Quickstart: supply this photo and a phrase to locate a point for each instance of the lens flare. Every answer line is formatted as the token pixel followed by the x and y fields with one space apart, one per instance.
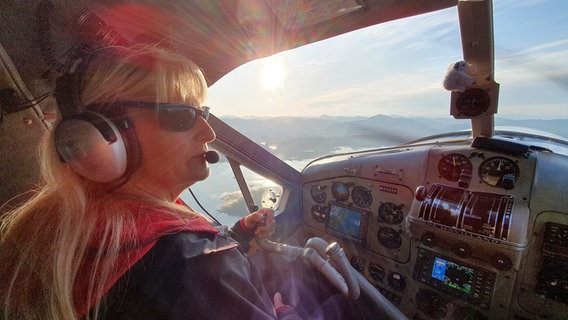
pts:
pixel 273 74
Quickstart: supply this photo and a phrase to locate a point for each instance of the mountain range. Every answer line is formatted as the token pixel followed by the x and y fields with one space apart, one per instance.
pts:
pixel 299 138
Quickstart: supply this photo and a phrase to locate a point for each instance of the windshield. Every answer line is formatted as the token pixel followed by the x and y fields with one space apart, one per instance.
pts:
pixel 382 85
pixel 372 80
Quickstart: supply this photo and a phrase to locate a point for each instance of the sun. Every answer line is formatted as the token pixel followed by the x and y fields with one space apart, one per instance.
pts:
pixel 273 73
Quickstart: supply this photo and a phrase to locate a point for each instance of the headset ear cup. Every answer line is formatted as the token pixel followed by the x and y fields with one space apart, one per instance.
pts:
pixel 67 94
pixel 93 146
pixel 132 147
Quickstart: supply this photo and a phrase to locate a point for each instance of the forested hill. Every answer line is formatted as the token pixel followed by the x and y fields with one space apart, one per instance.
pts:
pixel 307 138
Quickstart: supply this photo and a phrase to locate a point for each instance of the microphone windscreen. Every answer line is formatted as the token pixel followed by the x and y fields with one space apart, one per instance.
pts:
pixel 212 156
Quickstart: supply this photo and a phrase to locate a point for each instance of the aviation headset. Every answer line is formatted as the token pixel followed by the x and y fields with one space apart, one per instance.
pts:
pixel 98 144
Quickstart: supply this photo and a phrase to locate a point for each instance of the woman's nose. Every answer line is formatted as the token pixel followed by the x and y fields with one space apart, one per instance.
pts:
pixel 205 130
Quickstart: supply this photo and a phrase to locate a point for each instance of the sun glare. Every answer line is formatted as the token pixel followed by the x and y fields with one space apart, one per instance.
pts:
pixel 273 73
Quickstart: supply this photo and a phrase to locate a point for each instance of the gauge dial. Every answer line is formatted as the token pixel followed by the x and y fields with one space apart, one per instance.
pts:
pixel 390 213
pixel 389 238
pixel 340 191
pixel 499 172
pixel 362 197
pixel 473 102
pixel 318 193
pixel 452 165
pixel 358 263
pixel 319 213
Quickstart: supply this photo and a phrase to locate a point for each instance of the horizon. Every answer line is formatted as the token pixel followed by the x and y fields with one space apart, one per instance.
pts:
pixel 375 128
pixel 449 117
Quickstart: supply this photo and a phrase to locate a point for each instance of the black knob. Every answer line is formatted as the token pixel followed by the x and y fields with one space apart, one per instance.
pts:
pixel 501 262
pixel 462 249
pixel 420 193
pixel 397 281
pixel 508 181
pixel 429 239
pixel 465 178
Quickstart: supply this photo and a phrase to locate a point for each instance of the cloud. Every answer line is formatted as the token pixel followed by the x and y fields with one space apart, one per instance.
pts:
pixel 524 110
pixel 233 203
pixel 396 94
pixel 412 33
pixel 506 5
pixel 398 67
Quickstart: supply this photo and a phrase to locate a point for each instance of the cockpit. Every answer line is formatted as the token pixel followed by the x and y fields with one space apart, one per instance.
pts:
pixel 443 209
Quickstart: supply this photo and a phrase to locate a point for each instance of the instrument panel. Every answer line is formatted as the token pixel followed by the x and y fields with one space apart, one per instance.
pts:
pixel 368 218
pixel 368 213
pixel 437 226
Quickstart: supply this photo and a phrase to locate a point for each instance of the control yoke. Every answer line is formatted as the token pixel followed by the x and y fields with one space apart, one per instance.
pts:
pixel 331 261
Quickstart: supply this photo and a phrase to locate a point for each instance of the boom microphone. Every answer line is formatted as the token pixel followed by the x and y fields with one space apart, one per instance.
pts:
pixel 211 156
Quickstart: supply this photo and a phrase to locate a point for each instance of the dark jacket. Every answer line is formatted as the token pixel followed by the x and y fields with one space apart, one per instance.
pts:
pixel 193 276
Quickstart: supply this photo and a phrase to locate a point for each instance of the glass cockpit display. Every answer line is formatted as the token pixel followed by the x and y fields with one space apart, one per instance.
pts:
pixel 347 222
pixel 453 275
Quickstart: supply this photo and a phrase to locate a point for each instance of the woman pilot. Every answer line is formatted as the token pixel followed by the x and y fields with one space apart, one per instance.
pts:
pixel 105 236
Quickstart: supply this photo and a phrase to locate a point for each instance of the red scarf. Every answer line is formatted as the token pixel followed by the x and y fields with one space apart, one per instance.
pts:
pixel 151 223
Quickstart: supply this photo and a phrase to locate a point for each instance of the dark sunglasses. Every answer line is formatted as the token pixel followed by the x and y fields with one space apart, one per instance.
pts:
pixel 176 117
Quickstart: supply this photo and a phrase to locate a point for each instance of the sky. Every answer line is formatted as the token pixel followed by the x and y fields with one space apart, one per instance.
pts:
pixel 397 69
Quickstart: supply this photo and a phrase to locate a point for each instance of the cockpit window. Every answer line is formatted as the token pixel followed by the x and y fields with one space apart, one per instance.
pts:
pixel 382 85
pixel 220 195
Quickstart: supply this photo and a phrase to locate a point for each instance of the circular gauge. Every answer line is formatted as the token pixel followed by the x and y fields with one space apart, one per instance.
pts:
pixel 499 172
pixel 318 193
pixel 362 197
pixel 319 213
pixel 340 191
pixel 358 263
pixel 389 238
pixel 473 102
pixel 452 165
pixel 390 213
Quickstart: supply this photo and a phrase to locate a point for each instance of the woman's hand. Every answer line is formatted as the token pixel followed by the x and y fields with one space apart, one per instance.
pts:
pixel 278 300
pixel 262 222
pixel 284 311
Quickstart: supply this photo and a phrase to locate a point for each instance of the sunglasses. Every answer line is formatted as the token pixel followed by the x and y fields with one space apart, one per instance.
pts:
pixel 176 117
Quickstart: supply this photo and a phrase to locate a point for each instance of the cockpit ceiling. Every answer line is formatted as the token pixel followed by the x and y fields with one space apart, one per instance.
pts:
pixel 294 15
pixel 219 35
pixel 37 38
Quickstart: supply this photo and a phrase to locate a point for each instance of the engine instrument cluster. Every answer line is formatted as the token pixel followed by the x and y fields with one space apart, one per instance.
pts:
pixel 498 171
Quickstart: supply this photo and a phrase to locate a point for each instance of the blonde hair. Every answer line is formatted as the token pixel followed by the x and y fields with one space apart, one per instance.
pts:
pixel 44 241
